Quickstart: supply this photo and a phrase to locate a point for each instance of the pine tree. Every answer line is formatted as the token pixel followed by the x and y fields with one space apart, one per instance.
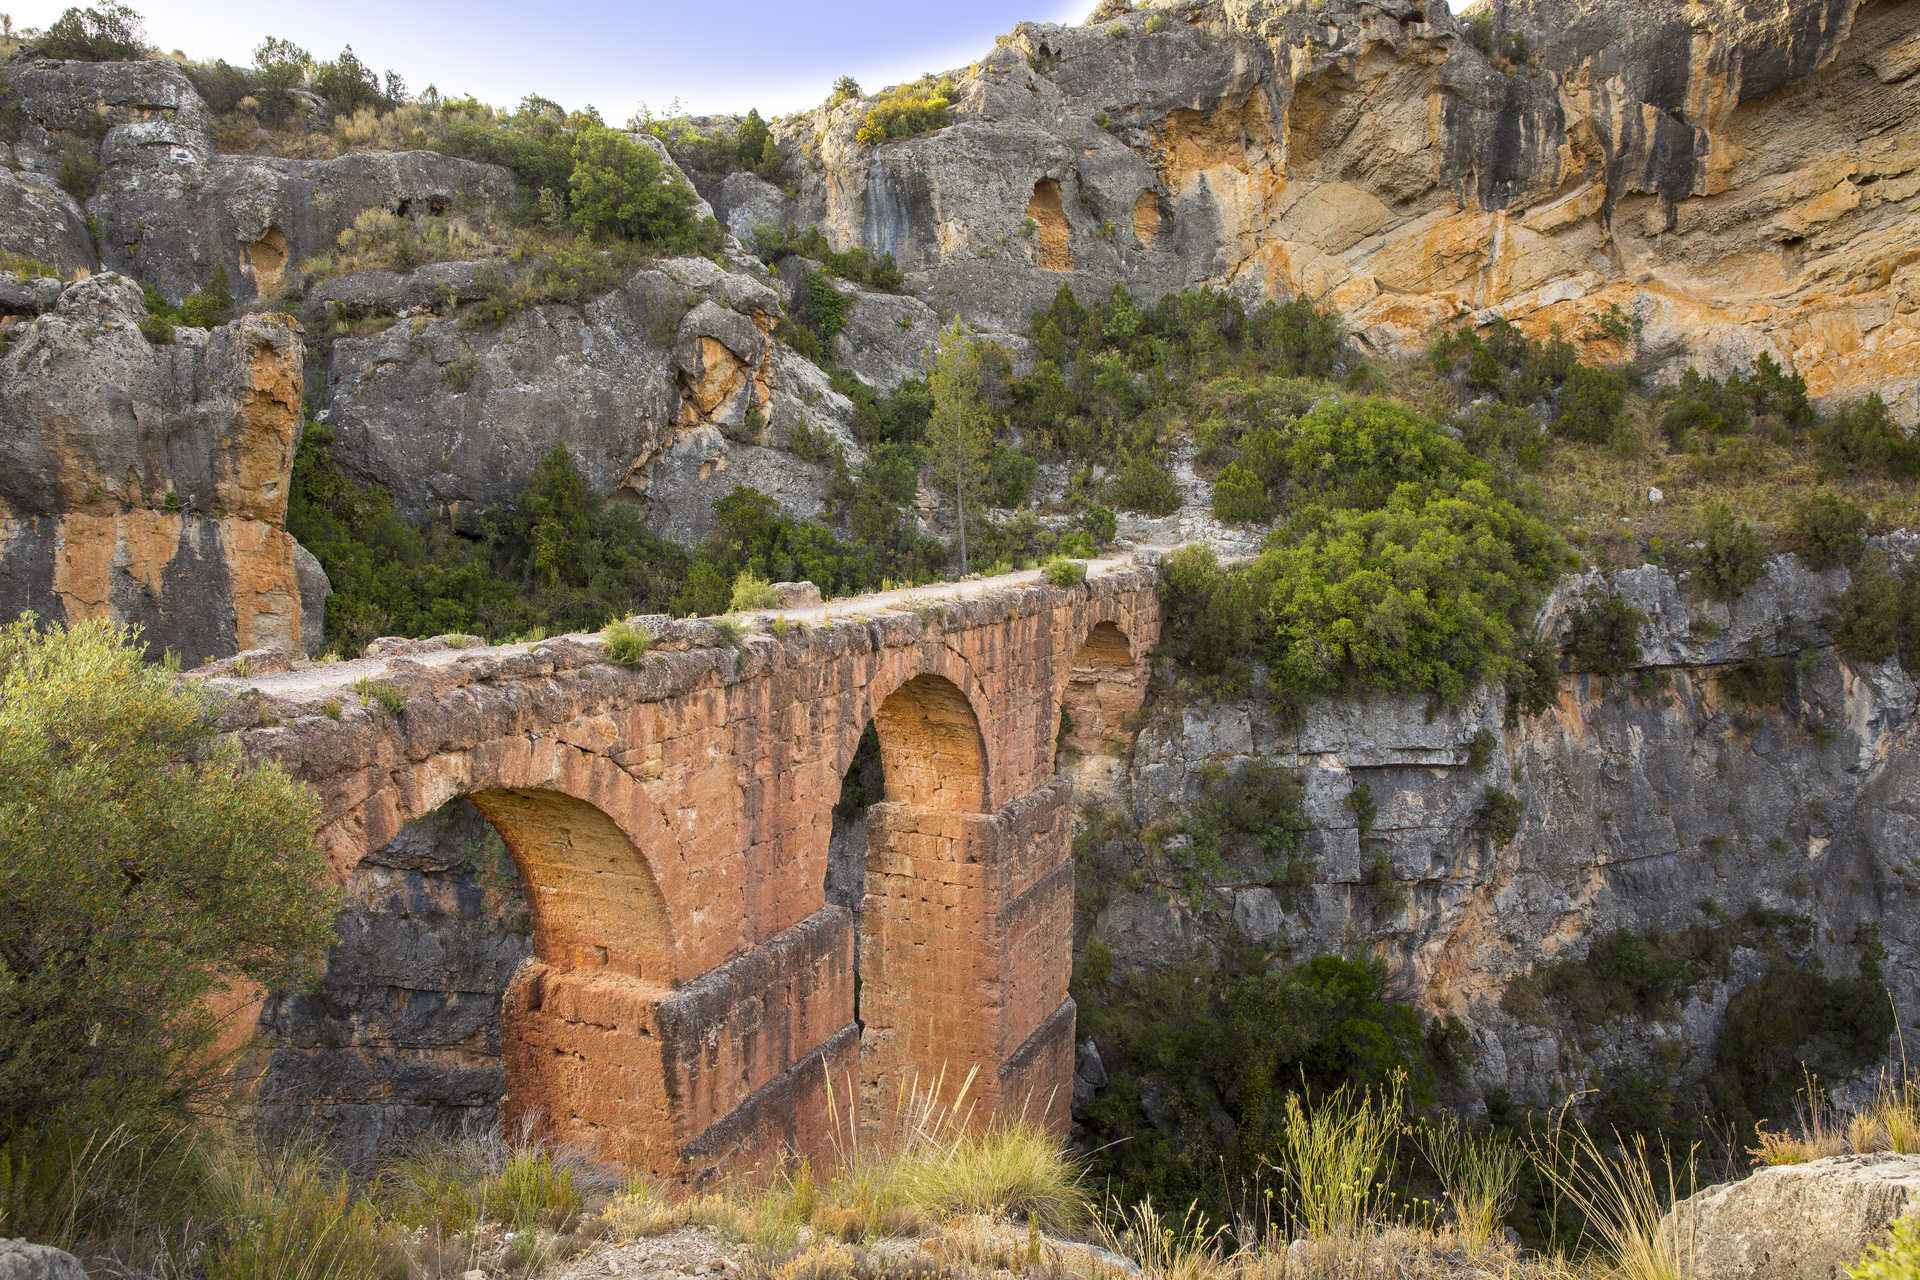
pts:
pixel 958 432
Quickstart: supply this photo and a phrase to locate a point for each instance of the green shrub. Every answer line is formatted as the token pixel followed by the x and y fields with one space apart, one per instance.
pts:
pixel 556 558
pixel 105 32
pixel 350 85
pixel 1140 483
pixel 1062 572
pixel 1210 613
pixel 627 644
pixel 1480 749
pixel 751 592
pixel 1758 681
pixel 381 693
pixel 79 173
pixel 1590 404
pixel 619 188
pixel 210 305
pixel 1239 497
pixel 1238 1040
pixel 1899 1259
pixel 1603 636
pixel 1099 524
pixel 139 879
pixel 1826 531
pixel 1010 476
pixel 1430 593
pixel 922 106
pixel 772 242
pixel 1730 557
pixel 1861 438
pixel 1500 814
pixel 1702 405
pixel 1878 616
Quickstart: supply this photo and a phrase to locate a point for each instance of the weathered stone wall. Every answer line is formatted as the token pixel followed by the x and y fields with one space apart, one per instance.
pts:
pixel 671 824
pixel 149 483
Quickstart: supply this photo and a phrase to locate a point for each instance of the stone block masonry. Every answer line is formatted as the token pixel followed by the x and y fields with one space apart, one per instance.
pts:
pixel 692 997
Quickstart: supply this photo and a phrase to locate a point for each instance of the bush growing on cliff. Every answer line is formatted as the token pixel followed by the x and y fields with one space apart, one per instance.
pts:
pixel 771 242
pixel 618 187
pixel 1431 593
pixel 105 32
pixel 1861 438
pixel 1730 556
pixel 557 557
pixel 142 869
pixel 1603 634
pixel 1878 616
pixel 921 106
pixel 1826 531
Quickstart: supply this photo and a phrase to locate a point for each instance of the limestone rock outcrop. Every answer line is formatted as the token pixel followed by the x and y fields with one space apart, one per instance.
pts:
pixel 671 387
pixel 1795 1222
pixel 1652 801
pixel 1734 181
pixel 169 209
pixel 148 483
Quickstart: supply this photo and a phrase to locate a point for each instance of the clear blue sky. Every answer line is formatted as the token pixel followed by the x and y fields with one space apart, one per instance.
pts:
pixel 720 56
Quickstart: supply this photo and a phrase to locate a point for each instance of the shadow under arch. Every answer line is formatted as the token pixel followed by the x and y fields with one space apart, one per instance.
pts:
pixel 1105 684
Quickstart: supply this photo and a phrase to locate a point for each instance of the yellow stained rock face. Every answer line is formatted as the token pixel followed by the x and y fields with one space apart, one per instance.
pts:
pixel 1044 207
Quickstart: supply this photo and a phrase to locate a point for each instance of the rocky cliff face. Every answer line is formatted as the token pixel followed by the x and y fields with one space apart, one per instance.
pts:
pixel 1657 801
pixel 148 482
pixel 1735 180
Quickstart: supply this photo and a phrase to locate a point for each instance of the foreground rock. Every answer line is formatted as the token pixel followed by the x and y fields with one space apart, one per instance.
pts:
pixel 1795 1222
pixel 20 1260
pixel 148 483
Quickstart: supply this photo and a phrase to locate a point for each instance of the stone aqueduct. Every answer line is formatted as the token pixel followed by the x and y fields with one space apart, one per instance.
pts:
pixel 693 995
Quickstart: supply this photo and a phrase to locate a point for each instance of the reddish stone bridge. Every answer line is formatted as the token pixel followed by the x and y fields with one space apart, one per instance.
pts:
pixel 693 994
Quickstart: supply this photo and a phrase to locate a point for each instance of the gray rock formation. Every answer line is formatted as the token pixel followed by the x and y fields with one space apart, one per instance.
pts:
pixel 669 387
pixel 1678 165
pixel 1655 801
pixel 1794 1222
pixel 169 210
pixel 149 482
pixel 403 1035
pixel 20 1260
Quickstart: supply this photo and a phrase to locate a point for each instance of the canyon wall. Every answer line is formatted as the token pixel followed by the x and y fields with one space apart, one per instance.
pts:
pixel 1664 800
pixel 1733 180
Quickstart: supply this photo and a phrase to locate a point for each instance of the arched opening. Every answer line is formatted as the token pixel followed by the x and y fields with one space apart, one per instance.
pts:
pixel 930 747
pixel 457 995
pixel 594 901
pixel 1104 688
pixel 924 986
pixel 863 785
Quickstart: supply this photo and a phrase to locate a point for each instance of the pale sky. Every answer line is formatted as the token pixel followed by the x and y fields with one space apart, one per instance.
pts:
pixel 717 57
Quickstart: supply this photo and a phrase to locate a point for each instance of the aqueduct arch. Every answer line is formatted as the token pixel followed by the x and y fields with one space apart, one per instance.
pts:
pixel 690 999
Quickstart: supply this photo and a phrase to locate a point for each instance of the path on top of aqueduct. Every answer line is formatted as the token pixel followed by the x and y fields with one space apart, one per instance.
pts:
pixel 693 996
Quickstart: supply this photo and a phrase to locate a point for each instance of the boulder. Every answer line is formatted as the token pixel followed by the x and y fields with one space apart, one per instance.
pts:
pixel 20 1260
pixel 1795 1222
